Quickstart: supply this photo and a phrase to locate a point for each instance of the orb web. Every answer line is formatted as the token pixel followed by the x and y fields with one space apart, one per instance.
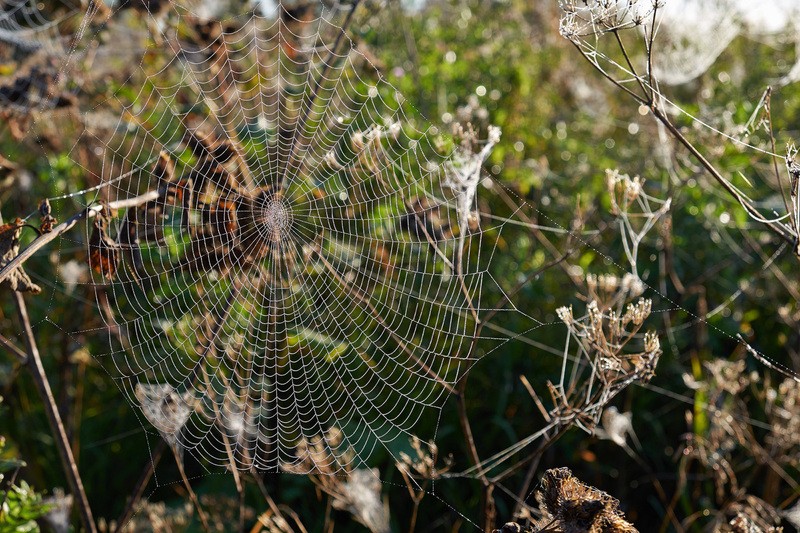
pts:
pixel 300 255
pixel 27 26
pixel 693 34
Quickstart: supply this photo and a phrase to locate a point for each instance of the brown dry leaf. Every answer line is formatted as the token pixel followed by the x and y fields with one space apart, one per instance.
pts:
pixel 164 169
pixel 48 220
pixel 103 250
pixel 18 280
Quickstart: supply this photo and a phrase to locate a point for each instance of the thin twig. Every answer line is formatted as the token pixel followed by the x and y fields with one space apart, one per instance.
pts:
pixel 192 495
pixel 141 484
pixel 36 368
pixel 705 163
pixel 13 349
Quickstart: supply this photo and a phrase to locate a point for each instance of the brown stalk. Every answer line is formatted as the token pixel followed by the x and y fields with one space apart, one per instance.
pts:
pixel 34 364
pixel 141 484
pixel 14 350
pixel 192 495
pixel 647 99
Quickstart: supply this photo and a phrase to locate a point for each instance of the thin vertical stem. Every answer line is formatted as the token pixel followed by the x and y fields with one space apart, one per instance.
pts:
pixel 36 368
pixel 192 495
pixel 141 484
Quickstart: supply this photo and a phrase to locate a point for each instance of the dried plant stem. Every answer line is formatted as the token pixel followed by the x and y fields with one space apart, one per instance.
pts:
pixel 14 350
pixel 237 479
pixel 466 429
pixel 192 496
pixel 62 228
pixel 34 364
pixel 141 484
pixel 648 98
pixel 705 163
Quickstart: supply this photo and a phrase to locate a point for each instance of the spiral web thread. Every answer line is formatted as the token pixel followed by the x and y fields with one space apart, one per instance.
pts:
pixel 26 27
pixel 310 269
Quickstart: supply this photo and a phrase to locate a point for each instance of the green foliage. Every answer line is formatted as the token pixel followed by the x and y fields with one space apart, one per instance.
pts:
pixel 20 504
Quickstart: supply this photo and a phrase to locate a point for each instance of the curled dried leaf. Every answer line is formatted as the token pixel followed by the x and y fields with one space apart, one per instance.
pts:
pixel 104 251
pixel 17 280
pixel 48 220
pixel 573 506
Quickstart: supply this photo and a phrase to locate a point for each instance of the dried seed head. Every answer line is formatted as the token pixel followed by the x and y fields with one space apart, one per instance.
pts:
pixel 361 497
pixel 565 315
pixel 572 506
pixel 637 313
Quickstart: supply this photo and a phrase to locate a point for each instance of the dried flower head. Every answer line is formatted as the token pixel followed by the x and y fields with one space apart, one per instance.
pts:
pixel 463 174
pixel 361 496
pixel 570 506
pixel 166 409
pixel 582 18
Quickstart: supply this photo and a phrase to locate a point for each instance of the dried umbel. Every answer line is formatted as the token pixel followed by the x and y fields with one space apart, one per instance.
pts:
pixel 623 190
pixel 582 18
pixel 637 213
pixel 727 442
pixel 608 289
pixel 357 491
pixel 603 363
pixel 783 406
pixel 570 506
pixel 730 376
pixel 748 514
pixel 153 516
pixel 603 334
pixel 724 432
pixel 424 464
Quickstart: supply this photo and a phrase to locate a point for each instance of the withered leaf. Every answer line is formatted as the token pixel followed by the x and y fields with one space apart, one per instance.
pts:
pixel 128 240
pixel 164 169
pixel 18 280
pixel 48 220
pixel 103 250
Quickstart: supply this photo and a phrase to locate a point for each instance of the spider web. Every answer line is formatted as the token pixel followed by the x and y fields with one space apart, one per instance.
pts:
pixel 308 258
pixel 27 27
pixel 685 27
pixel 305 256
